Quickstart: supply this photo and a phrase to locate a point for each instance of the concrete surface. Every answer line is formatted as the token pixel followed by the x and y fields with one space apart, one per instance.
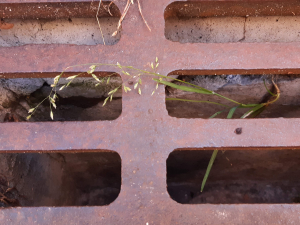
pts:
pixel 78 31
pixel 233 29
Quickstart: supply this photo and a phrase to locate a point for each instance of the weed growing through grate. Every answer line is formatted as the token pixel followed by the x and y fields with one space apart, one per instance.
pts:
pixel 135 74
pixel 255 109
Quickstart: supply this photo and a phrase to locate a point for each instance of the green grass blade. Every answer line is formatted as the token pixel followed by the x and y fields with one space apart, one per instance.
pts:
pixel 252 110
pixel 257 112
pixel 248 105
pixel 217 113
pixel 197 87
pixel 268 89
pixel 184 88
pixel 211 162
pixel 231 112
pixel 188 100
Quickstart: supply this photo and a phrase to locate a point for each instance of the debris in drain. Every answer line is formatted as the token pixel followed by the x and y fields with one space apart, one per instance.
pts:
pixel 5 26
pixel 8 195
pixel 10 117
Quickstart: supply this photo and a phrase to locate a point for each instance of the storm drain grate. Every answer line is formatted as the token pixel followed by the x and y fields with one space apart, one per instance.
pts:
pixel 144 134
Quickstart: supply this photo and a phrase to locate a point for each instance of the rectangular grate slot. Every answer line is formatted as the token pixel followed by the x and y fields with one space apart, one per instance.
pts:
pixel 237 176
pixel 59 179
pixel 245 89
pixel 80 101
pixel 75 24
pixel 223 22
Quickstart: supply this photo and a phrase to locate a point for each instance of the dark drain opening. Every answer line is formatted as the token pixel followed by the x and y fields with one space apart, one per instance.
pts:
pixel 237 176
pixel 246 89
pixel 80 101
pixel 59 179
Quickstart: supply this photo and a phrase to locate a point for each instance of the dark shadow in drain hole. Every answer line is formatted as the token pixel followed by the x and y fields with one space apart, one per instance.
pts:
pixel 59 179
pixel 237 176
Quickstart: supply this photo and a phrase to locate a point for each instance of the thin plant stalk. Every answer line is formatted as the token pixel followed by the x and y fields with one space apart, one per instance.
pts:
pixel 210 164
pixel 100 1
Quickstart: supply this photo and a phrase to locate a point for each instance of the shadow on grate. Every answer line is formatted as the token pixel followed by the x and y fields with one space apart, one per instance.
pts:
pixel 223 22
pixel 237 176
pixel 59 179
pixel 80 101
pixel 246 89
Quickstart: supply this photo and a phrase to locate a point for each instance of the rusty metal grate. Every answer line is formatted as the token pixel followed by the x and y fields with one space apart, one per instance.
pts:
pixel 144 135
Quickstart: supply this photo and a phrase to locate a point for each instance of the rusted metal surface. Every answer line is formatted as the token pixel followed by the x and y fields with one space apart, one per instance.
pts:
pixel 144 135
pixel 232 9
pixel 57 10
